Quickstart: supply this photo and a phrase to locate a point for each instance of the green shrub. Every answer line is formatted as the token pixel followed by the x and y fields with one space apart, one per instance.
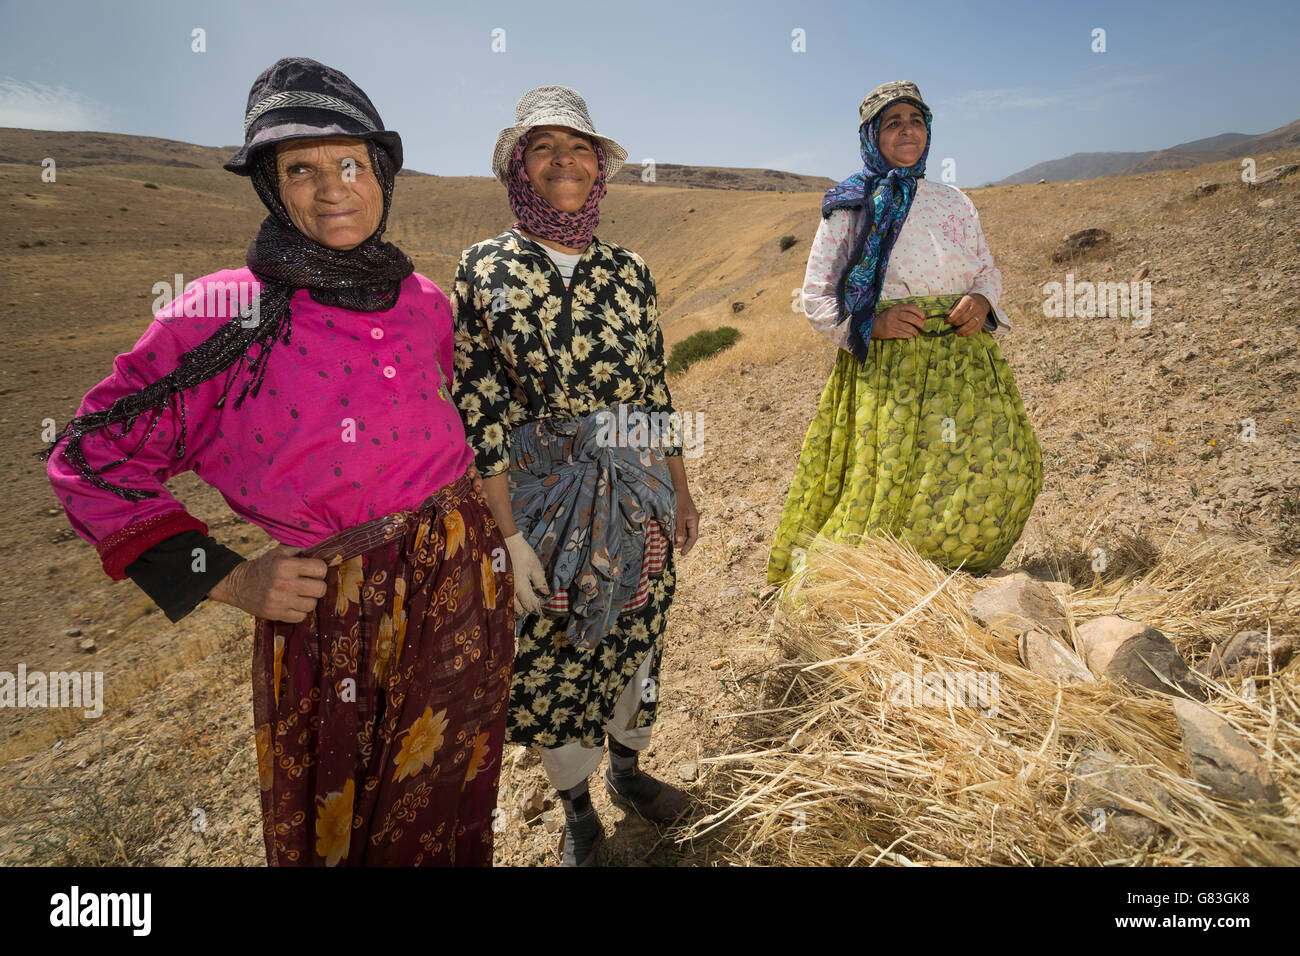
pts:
pixel 787 242
pixel 150 186
pixel 700 346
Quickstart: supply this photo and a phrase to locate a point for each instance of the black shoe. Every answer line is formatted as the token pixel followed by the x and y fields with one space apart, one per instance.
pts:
pixel 665 806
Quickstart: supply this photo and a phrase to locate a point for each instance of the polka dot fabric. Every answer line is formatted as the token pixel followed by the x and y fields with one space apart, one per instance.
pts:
pixel 354 420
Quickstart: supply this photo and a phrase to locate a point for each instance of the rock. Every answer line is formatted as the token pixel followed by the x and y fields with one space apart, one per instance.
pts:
pixel 720 663
pixel 1204 189
pixel 1178 357
pixel 1078 242
pixel 1049 658
pixel 1103 782
pixel 1133 829
pixel 737 307
pixel 1248 654
pixel 1143 270
pixel 1059 588
pixel 1020 605
pixel 1040 182
pixel 1144 590
pixel 1268 203
pixel 73 632
pixel 1124 650
pixel 688 771
pixel 87 644
pixel 1274 174
pixel 1222 759
pixel 553 820
pixel 533 803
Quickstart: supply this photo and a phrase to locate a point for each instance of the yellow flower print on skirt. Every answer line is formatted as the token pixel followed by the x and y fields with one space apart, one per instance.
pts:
pixel 455 527
pixel 334 824
pixel 351 574
pixel 927 440
pixel 419 743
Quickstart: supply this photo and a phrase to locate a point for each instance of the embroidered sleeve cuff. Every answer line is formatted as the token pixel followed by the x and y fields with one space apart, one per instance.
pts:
pixel 122 547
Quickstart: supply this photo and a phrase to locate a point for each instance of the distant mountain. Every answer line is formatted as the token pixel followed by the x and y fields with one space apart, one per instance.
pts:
pixel 718 177
pixel 1076 166
pixel 71 148
pixel 1210 150
pixel 84 148
pixel 30 146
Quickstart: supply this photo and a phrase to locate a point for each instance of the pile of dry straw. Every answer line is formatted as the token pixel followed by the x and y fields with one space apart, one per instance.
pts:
pixel 850 761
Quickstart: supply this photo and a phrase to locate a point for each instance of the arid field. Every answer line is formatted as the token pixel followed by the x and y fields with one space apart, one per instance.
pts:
pixel 1147 455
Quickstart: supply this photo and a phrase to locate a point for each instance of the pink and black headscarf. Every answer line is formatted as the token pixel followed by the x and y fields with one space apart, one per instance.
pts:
pixel 532 212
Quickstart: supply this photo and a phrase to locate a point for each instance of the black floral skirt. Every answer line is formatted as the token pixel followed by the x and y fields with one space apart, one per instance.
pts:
pixel 562 695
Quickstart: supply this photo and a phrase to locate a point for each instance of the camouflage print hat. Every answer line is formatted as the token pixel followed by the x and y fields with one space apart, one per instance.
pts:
pixel 887 93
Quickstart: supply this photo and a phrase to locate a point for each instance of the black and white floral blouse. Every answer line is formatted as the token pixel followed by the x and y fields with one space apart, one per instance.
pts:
pixel 527 348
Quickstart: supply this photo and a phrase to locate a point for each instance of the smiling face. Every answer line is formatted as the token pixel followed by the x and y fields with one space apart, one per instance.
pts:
pixel 902 134
pixel 330 190
pixel 561 164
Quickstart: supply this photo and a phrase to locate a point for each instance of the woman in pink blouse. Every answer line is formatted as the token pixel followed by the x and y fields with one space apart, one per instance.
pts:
pixel 920 431
pixel 312 389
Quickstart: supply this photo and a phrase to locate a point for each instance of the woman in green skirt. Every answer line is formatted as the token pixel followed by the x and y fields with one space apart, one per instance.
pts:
pixel 920 432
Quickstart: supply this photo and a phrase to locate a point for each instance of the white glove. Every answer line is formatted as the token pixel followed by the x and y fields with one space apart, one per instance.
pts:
pixel 530 578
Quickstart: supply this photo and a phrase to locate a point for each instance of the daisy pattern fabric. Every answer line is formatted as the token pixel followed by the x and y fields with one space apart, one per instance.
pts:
pixel 528 349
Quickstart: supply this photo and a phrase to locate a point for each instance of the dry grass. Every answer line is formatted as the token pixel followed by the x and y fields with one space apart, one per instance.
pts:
pixel 838 771
pixel 92 821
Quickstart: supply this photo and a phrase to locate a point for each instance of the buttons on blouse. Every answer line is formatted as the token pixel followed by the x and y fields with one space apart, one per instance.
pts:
pixel 390 372
pixel 376 333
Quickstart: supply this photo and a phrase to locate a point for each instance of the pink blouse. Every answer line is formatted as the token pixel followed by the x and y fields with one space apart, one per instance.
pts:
pixel 354 420
pixel 940 250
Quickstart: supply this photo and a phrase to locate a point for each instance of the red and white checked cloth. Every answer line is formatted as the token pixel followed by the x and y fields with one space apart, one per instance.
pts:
pixel 656 550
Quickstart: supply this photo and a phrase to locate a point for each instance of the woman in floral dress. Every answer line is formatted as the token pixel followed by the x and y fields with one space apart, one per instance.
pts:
pixel 560 382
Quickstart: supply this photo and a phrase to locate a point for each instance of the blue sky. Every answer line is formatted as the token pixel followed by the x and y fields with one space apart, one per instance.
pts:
pixel 708 83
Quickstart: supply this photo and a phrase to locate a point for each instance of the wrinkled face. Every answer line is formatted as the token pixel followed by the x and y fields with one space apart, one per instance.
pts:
pixel 902 134
pixel 330 190
pixel 562 166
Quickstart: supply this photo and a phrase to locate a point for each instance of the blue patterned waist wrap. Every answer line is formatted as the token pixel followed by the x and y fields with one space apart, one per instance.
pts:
pixel 582 490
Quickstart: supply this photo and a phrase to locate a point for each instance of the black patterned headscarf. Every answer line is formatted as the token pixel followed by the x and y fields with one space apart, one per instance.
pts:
pixel 366 278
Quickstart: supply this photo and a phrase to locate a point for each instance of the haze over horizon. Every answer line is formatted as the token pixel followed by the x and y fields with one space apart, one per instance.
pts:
pixel 720 86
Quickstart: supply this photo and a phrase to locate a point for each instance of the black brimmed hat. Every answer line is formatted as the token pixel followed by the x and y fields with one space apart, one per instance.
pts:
pixel 298 98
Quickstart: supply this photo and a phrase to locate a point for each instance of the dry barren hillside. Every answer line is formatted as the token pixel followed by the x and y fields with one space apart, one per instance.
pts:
pixel 1141 430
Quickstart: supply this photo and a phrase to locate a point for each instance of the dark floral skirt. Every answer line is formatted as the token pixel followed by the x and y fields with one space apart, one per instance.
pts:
pixel 380 718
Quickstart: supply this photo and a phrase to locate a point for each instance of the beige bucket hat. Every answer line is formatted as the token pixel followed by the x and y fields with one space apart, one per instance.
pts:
pixel 553 106
pixel 886 93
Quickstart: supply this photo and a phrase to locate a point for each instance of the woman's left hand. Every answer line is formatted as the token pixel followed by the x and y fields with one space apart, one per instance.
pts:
pixel 475 479
pixel 688 522
pixel 969 314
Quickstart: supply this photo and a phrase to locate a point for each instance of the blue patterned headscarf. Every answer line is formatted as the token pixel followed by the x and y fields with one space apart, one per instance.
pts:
pixel 885 192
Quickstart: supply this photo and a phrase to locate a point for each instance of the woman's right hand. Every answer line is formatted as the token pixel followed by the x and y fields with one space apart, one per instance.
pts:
pixel 278 586
pixel 530 577
pixel 901 321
